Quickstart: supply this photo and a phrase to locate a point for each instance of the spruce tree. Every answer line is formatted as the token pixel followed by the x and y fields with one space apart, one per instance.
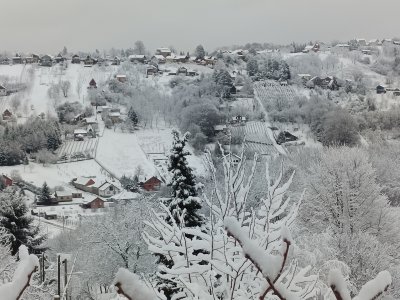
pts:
pixel 133 116
pixel 183 197
pixel 183 183
pixel 45 197
pixel 18 224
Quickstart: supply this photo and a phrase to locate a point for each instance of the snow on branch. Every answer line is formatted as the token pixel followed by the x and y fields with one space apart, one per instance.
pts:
pixel 370 291
pixel 28 264
pixel 130 286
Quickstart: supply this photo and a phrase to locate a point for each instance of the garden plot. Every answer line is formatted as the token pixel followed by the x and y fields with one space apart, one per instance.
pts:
pixel 273 93
pixel 85 149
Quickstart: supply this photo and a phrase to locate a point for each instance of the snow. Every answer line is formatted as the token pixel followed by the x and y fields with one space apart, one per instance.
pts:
pixel 374 287
pixel 132 286
pixel 121 154
pixel 27 265
pixel 337 281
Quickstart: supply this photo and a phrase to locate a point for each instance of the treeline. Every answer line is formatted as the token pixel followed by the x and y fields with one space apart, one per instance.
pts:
pixel 268 68
pixel 36 134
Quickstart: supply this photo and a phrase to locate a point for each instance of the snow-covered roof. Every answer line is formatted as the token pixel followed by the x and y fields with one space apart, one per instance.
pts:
pixel 63 193
pixel 2 87
pixel 343 45
pixel 114 114
pixel 219 127
pixel 121 76
pixel 163 49
pixel 83 180
pixel 159 57
pixel 90 120
pixel 136 56
pixel 105 186
pixel 80 131
pixel 90 199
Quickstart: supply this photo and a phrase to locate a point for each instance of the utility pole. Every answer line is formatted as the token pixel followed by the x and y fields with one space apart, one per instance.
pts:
pixel 58 276
pixel 65 277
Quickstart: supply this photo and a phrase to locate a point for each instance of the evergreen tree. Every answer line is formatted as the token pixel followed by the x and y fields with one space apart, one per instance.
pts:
pixel 18 224
pixel 183 183
pixel 45 197
pixel 133 116
pixel 252 66
pixel 183 197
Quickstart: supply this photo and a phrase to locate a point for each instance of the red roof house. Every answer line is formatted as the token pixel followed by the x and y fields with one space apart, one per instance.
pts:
pixel 7 181
pixel 152 184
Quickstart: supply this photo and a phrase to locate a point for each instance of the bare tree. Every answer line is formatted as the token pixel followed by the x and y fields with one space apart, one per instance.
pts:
pixel 65 87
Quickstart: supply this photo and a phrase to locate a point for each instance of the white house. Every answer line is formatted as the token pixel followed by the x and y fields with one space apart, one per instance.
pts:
pixel 107 189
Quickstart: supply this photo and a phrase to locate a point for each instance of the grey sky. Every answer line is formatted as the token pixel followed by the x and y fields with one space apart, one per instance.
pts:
pixel 48 25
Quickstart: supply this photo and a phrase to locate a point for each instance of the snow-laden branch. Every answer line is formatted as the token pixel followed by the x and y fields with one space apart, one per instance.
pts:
pixel 28 263
pixel 130 286
pixel 370 291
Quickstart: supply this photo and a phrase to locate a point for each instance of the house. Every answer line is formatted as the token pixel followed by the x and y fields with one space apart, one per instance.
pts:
pixel 220 128
pixel 343 46
pixel 304 77
pixel 3 91
pixel 7 181
pixel 4 61
pixel 182 70
pixel 181 58
pixel 92 84
pixel 93 203
pixel 17 59
pixel 106 189
pixel 76 59
pixel 151 184
pixel 125 196
pixel 50 215
pixel 33 59
pixel 238 120
pixel 79 134
pixel 121 78
pixel 164 52
pixel 285 136
pixel 115 116
pixel 137 58
pixel 361 42
pixel 380 89
pixel 62 196
pixel 151 70
pixel 83 183
pixel 374 42
pixel 46 61
pixel 158 59
pixel 89 61
pixel 59 58
pixel 76 194
pixel 210 60
pixel 192 73
pixel 7 115
pixel 366 51
pixel 116 61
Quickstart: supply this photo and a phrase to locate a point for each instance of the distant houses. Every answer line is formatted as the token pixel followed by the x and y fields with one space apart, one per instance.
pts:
pixel 76 59
pixel 90 185
pixel 7 115
pixel 93 203
pixel 137 58
pixel 151 184
pixel 163 52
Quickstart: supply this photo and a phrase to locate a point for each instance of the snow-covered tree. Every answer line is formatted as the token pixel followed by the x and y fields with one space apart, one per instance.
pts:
pixel 183 183
pixel 199 52
pixel 133 117
pixel 45 196
pixel 17 224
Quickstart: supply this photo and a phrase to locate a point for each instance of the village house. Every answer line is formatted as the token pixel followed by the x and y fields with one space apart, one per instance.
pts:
pixel 79 134
pixel 6 181
pixel 3 91
pixel 17 59
pixel 7 115
pixel 76 194
pixel 62 196
pixel 181 58
pixel 121 78
pixel 89 61
pixel 115 116
pixel 164 52
pixel 151 70
pixel 59 58
pixel 76 59
pixel 192 73
pixel 158 59
pixel 93 203
pixel 182 70
pixel 46 61
pixel 116 61
pixel 220 128
pixel 380 89
pixel 137 58
pixel 92 84
pixel 106 189
pixel 152 184
pixel 83 183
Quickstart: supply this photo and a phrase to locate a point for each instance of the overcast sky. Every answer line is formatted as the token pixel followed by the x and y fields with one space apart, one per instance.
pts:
pixel 45 26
